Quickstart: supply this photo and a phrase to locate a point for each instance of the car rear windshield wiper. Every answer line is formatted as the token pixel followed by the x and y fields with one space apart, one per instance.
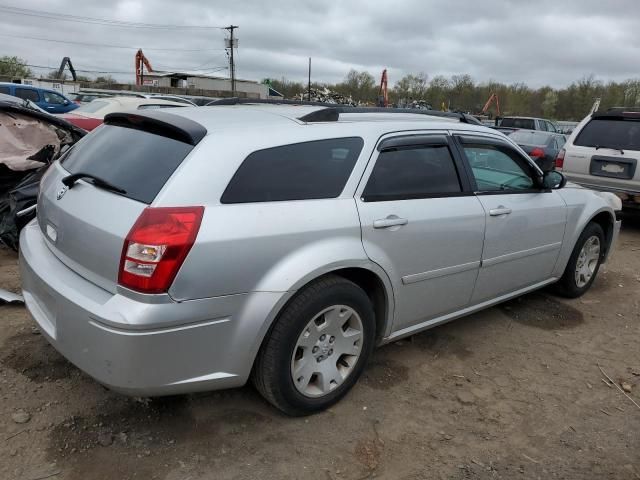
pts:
pixel 70 181
pixel 611 148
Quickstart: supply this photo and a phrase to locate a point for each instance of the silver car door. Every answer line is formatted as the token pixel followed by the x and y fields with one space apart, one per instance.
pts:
pixel 421 222
pixel 525 223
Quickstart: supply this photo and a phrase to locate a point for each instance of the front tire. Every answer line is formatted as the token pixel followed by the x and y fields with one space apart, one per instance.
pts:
pixel 317 348
pixel 584 262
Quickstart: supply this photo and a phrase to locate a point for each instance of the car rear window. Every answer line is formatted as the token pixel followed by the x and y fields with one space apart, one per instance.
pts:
pixel 526 123
pixel 615 133
pixel 136 161
pixel 301 171
pixel 533 138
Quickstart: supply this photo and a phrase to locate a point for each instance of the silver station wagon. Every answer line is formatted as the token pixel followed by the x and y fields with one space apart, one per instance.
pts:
pixel 197 248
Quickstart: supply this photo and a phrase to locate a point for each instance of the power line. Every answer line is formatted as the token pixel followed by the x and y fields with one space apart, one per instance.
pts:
pixel 84 44
pixel 85 70
pixel 97 21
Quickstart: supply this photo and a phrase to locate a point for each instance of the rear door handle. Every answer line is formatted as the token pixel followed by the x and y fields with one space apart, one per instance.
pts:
pixel 501 210
pixel 390 221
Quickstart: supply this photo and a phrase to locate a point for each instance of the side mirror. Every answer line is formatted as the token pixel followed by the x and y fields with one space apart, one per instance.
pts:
pixel 554 180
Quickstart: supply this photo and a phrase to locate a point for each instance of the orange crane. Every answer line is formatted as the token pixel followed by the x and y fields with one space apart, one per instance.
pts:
pixel 141 62
pixel 383 96
pixel 492 98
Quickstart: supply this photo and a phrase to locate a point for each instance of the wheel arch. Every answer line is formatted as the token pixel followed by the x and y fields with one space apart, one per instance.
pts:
pixel 606 220
pixel 368 276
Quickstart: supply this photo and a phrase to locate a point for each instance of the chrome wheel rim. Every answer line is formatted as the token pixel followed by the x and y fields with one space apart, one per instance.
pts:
pixel 327 351
pixel 587 261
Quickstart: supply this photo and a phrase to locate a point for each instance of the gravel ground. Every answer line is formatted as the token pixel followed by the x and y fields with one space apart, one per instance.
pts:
pixel 512 392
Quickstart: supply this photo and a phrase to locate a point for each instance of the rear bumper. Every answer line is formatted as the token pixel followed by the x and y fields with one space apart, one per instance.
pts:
pixel 138 348
pixel 591 182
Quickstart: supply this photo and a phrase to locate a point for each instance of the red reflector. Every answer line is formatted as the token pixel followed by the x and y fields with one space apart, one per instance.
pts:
pixel 537 153
pixel 560 159
pixel 156 247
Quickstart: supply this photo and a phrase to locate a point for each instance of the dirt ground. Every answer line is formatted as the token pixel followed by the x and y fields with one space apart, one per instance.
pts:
pixel 511 392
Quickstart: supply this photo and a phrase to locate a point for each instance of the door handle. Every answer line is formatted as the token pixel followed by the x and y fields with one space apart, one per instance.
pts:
pixel 501 210
pixel 390 221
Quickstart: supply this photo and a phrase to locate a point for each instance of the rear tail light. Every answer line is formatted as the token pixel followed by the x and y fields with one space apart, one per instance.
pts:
pixel 537 153
pixel 156 247
pixel 560 159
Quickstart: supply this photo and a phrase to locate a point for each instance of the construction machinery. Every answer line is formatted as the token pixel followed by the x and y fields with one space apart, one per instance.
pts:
pixel 141 62
pixel 383 95
pixel 493 98
pixel 66 62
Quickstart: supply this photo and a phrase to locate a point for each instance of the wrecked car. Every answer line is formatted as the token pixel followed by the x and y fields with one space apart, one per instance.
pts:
pixel 30 140
pixel 196 249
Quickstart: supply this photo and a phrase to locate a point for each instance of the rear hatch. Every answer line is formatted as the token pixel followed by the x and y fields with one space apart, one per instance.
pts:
pixel 122 166
pixel 606 152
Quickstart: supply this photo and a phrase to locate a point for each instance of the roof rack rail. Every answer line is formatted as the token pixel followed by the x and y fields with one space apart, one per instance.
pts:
pixel 271 101
pixel 622 109
pixel 332 111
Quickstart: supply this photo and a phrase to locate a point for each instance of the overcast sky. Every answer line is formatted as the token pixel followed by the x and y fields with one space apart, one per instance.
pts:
pixel 547 42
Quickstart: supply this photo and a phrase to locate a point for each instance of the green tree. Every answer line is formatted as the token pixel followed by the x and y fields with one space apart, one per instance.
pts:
pixel 439 91
pixel 360 85
pixel 14 67
pixel 105 79
pixel 53 75
pixel 549 104
pixel 412 87
pixel 286 87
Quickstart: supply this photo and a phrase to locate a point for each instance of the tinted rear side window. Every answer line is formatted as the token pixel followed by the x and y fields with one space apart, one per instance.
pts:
pixel 4 90
pixel 413 173
pixel 300 171
pixel 27 94
pixel 136 161
pixel 624 134
pixel 526 123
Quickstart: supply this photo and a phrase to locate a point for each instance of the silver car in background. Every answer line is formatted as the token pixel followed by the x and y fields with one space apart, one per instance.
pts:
pixel 193 249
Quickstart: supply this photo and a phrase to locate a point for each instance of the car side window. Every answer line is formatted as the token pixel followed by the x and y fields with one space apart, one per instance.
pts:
pixel 4 90
pixel 413 172
pixel 28 94
pixel 543 125
pixel 53 98
pixel 300 171
pixel 551 127
pixel 496 168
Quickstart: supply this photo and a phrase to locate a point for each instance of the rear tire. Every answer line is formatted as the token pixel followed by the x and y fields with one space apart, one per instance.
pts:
pixel 584 262
pixel 324 338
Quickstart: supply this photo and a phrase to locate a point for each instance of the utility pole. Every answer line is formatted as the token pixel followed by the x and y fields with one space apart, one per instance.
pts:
pixel 232 66
pixel 309 82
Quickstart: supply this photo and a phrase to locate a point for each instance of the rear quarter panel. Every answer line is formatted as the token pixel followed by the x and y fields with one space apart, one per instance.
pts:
pixel 262 246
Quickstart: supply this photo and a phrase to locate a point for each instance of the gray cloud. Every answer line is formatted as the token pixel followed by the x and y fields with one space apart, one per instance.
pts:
pixel 540 43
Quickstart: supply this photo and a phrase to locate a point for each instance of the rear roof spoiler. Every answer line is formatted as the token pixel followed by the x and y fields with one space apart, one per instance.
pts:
pixel 160 123
pixel 618 112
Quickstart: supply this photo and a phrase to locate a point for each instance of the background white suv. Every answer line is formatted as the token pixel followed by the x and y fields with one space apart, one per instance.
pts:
pixel 603 154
